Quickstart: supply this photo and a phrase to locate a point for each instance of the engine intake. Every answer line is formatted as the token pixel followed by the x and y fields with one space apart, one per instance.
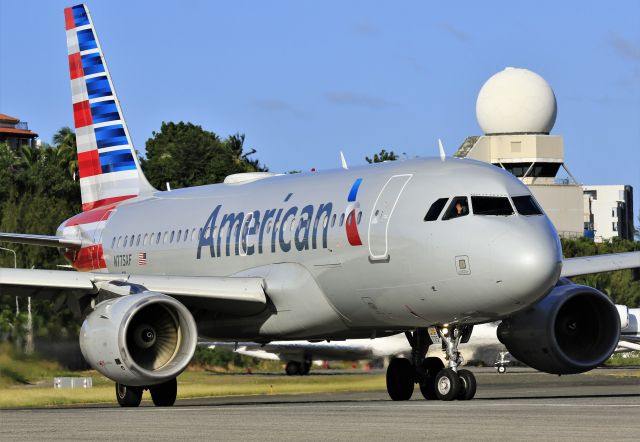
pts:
pixel 572 330
pixel 139 340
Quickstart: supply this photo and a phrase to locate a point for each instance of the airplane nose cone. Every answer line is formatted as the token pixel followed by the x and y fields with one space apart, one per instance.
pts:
pixel 528 259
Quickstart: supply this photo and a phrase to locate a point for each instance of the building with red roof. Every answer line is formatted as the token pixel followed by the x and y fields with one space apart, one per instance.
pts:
pixel 16 133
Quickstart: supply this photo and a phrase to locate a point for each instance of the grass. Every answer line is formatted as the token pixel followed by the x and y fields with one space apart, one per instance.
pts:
pixel 624 359
pixel 192 385
pixel 27 381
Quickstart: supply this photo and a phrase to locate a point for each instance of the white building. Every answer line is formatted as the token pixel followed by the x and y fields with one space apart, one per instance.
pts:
pixel 516 109
pixel 608 212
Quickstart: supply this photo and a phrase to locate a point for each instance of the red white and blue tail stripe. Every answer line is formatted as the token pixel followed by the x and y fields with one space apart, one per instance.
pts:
pixel 108 166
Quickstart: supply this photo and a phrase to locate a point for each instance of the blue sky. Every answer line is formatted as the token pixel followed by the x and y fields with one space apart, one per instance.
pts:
pixel 305 79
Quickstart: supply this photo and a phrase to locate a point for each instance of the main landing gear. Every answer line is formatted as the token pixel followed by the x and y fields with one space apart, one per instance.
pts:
pixel 163 395
pixel 298 368
pixel 435 381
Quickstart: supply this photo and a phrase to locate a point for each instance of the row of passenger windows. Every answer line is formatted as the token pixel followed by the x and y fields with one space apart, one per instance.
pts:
pixel 482 205
pixel 170 237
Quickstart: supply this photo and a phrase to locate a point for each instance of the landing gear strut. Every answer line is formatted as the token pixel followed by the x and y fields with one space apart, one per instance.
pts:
pixel 435 381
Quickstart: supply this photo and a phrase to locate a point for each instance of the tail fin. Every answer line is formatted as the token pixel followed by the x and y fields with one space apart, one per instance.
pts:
pixel 108 165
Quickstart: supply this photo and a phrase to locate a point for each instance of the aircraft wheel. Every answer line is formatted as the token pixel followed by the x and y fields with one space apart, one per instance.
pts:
pixel 431 367
pixel 468 385
pixel 400 375
pixel 305 368
pixel 164 395
pixel 502 369
pixel 293 368
pixel 128 396
pixel 447 384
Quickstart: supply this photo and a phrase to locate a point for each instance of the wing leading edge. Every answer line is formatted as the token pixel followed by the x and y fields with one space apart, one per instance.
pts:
pixel 600 263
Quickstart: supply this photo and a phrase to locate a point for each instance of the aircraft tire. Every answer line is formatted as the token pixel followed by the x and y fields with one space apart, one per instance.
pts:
pixel 293 368
pixel 128 396
pixel 164 395
pixel 502 369
pixel 400 375
pixel 447 384
pixel 305 368
pixel 468 385
pixel 431 367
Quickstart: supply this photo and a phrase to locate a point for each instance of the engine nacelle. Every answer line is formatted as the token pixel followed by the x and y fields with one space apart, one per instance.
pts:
pixel 572 330
pixel 139 340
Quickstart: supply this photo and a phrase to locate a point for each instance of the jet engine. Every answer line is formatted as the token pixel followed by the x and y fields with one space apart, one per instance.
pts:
pixel 139 340
pixel 573 329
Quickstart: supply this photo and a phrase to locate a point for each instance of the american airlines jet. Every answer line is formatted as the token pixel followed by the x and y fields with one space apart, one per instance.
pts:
pixel 348 253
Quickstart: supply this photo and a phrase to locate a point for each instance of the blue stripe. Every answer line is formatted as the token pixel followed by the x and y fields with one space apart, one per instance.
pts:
pixel 92 63
pixel 103 111
pixel 110 136
pixel 354 190
pixel 80 15
pixel 86 40
pixel 98 87
pixel 117 160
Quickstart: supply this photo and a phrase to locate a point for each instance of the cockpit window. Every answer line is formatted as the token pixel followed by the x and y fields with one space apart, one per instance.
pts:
pixel 491 205
pixel 435 209
pixel 459 207
pixel 526 205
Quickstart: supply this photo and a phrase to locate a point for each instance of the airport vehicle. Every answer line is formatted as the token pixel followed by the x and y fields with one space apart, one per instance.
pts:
pixel 347 253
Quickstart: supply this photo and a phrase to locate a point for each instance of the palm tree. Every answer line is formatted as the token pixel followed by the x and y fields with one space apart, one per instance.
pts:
pixel 65 144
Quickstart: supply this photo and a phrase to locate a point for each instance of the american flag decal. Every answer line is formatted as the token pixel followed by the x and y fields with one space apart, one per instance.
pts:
pixel 142 258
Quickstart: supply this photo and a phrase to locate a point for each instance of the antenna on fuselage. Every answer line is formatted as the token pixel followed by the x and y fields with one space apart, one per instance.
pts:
pixel 343 161
pixel 441 147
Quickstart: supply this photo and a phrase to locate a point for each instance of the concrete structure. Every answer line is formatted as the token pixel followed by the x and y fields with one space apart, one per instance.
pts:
pixel 16 133
pixel 608 212
pixel 516 109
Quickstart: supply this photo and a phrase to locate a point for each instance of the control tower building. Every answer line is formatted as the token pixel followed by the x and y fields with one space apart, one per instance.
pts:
pixel 516 109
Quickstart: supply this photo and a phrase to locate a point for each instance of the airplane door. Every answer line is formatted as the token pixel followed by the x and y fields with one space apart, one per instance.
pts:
pixel 381 215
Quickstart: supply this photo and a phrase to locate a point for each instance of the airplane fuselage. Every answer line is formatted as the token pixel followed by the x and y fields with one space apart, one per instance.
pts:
pixel 360 234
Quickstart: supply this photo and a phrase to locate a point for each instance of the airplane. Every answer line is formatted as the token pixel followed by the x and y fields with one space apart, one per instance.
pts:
pixel 483 347
pixel 338 254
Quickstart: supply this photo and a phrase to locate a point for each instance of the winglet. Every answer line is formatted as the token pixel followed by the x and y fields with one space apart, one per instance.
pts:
pixel 442 154
pixel 344 161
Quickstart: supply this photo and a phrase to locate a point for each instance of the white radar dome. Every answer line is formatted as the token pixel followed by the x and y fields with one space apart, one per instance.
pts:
pixel 516 101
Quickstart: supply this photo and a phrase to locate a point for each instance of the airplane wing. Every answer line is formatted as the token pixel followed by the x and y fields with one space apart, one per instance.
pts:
pixel 238 295
pixel 41 240
pixel 600 263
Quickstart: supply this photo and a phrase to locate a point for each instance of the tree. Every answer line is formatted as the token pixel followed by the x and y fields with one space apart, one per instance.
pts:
pixel 66 149
pixel 382 156
pixel 185 154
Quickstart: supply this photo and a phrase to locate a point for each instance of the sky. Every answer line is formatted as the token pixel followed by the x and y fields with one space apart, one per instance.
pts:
pixel 306 79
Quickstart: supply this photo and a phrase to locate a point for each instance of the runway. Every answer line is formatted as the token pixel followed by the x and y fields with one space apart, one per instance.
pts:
pixel 600 405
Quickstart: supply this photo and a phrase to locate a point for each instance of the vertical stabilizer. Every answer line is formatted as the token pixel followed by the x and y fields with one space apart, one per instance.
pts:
pixel 108 165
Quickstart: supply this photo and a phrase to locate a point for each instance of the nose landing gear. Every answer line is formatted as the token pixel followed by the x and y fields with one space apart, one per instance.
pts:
pixel 435 381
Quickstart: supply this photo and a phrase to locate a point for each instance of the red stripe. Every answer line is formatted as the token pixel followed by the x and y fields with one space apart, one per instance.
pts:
pixel 75 66
pixel 82 114
pixel 69 23
pixel 104 202
pixel 87 258
pixel 91 216
pixel 352 230
pixel 89 163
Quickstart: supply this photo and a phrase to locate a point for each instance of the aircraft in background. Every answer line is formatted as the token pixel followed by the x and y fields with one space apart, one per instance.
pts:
pixel 340 254
pixel 483 347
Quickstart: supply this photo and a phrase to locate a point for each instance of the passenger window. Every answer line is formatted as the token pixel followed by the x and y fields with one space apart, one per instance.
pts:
pixel 146 238
pixel 526 205
pixel 173 233
pixel 186 235
pixel 341 219
pixel 113 242
pixel 179 235
pixel 459 207
pixel 138 240
pixel 158 237
pixel 333 220
pixel 491 205
pixel 434 211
